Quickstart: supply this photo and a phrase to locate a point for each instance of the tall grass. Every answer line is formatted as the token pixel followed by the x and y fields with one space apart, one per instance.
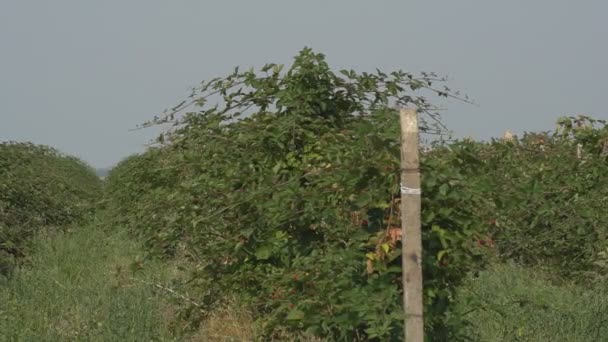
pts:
pixel 510 303
pixel 79 286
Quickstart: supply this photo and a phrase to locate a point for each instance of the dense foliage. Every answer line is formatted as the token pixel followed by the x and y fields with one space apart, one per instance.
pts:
pixel 289 206
pixel 285 195
pixel 549 192
pixel 39 187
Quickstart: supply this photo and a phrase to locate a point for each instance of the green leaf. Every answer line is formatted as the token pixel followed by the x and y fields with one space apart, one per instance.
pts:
pixel 441 254
pixel 263 253
pixel 295 315
pixel 385 247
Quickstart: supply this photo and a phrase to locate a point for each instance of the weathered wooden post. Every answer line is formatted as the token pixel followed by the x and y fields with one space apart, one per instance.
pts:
pixel 410 225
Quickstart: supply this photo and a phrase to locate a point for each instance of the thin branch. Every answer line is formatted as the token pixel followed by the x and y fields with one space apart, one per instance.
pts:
pixel 175 293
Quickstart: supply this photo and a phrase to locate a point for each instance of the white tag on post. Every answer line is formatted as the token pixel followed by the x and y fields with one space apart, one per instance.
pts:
pixel 410 191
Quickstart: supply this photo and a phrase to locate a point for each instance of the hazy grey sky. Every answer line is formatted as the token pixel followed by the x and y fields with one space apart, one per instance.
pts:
pixel 77 75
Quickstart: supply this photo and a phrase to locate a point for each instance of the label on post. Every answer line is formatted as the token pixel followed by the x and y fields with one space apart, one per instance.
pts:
pixel 410 191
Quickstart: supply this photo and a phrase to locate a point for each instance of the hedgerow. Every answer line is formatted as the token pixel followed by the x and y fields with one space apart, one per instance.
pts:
pixel 285 195
pixel 549 191
pixel 40 188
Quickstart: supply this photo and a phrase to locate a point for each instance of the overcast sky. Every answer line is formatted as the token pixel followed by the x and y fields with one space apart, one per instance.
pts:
pixel 77 75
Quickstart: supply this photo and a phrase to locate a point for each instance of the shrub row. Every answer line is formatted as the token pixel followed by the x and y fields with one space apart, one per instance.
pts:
pixel 285 195
pixel 40 187
pixel 549 192
pixel 289 208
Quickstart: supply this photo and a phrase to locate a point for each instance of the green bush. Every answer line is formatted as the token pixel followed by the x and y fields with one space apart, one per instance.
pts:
pixel 287 207
pixel 39 187
pixel 549 198
pixel 282 195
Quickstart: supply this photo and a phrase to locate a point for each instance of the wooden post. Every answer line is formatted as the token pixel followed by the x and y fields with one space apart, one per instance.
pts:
pixel 410 225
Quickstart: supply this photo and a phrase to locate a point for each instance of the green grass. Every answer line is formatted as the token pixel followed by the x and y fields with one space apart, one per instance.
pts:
pixel 510 303
pixel 81 286
pixel 78 286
